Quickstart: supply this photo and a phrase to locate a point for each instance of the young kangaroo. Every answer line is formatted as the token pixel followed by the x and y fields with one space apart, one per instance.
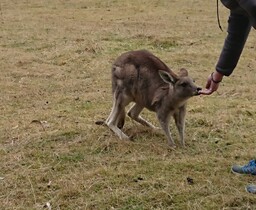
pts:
pixel 142 78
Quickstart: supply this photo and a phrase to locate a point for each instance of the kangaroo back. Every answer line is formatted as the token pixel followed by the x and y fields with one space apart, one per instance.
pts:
pixel 138 73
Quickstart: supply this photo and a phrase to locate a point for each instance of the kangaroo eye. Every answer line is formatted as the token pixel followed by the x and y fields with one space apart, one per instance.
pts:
pixel 183 84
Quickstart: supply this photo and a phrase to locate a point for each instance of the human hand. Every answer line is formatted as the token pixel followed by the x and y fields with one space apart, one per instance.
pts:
pixel 212 84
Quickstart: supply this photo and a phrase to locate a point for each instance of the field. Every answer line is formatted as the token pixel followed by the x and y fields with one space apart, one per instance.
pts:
pixel 55 63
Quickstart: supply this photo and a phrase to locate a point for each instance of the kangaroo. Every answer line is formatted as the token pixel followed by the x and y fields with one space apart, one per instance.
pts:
pixel 142 78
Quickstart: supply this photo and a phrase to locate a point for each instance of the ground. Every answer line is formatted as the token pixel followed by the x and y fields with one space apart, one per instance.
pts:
pixel 55 64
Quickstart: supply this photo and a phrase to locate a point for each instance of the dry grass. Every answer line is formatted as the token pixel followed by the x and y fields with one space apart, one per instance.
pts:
pixel 55 59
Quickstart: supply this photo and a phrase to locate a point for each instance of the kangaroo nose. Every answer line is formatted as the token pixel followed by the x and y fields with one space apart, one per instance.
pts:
pixel 197 90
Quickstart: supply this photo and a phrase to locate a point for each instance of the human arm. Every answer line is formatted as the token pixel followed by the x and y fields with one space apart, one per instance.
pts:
pixel 238 29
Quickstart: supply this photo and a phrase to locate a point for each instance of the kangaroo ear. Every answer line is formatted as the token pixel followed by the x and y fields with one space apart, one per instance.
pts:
pixel 168 78
pixel 183 72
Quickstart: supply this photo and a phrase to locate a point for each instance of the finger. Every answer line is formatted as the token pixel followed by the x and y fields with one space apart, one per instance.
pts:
pixel 205 92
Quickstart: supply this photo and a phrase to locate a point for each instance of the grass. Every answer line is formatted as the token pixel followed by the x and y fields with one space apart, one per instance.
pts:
pixel 55 60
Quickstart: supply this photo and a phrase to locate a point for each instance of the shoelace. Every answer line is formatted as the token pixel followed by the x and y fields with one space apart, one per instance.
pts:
pixel 250 167
pixel 252 163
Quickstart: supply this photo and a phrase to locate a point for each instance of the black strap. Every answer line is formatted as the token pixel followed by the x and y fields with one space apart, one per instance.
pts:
pixel 218 15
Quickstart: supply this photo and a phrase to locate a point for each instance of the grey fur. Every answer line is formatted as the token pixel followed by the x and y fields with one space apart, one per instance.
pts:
pixel 142 78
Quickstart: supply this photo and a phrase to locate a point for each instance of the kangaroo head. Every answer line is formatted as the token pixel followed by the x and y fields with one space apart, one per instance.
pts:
pixel 183 86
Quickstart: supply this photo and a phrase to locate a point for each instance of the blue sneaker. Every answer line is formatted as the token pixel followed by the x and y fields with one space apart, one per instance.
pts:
pixel 250 168
pixel 251 188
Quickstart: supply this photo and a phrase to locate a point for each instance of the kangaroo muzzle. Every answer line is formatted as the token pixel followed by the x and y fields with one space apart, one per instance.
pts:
pixel 198 91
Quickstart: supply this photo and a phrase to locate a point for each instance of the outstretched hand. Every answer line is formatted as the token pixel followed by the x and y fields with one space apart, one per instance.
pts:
pixel 212 84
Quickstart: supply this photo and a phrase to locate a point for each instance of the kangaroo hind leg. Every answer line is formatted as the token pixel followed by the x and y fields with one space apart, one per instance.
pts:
pixel 115 120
